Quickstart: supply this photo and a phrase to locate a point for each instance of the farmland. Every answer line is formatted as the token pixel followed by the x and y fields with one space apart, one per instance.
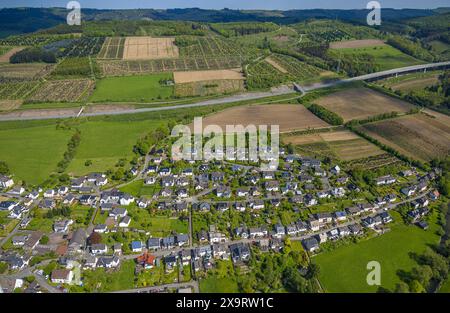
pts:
pixel 14 91
pixel 412 82
pixel 343 145
pixel 196 76
pixel 75 68
pixel 10 72
pixel 356 43
pixel 146 48
pixel 361 103
pixel 6 52
pixel 385 57
pixel 132 88
pixel 112 48
pixel 393 251
pixel 288 117
pixel 420 136
pixel 211 87
pixel 63 91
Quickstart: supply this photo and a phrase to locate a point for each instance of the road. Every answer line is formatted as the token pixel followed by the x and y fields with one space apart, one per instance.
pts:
pixel 191 284
pixel 235 98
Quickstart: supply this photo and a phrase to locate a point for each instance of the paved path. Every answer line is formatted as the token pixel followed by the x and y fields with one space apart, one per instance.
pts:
pixel 237 98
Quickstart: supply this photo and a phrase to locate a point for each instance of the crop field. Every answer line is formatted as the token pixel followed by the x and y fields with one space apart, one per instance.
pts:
pixel 343 145
pixel 419 136
pixel 15 91
pixel 208 46
pixel 356 43
pixel 83 47
pixel 300 71
pixel 112 48
pixel 361 103
pixel 344 269
pixel 197 76
pixel 132 88
pixel 411 82
pixel 63 90
pixel 8 105
pixel 147 48
pixel 24 71
pixel 275 64
pixel 122 67
pixel 386 57
pixel 210 87
pixel 75 67
pixel 288 117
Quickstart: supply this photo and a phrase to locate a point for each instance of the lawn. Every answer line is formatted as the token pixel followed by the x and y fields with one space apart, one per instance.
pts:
pixel 386 57
pixel 104 143
pixel 104 281
pixel 162 226
pixel 344 269
pixel 137 188
pixel 32 153
pixel 214 284
pixel 132 88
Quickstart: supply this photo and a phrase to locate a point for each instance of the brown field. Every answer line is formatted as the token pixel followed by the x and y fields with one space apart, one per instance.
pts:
pixel 344 145
pixel 4 58
pixel 289 117
pixel 356 43
pixel 198 76
pixel 148 48
pixel 420 136
pixel 210 87
pixel 276 65
pixel 8 105
pixel 25 71
pixel 415 84
pixel 361 103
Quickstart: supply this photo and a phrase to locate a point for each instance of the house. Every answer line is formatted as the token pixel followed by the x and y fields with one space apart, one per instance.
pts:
pixel 217 177
pixel 99 248
pixel 323 194
pixel 98 179
pixel 182 193
pixel 154 243
pixel 170 262
pixel 17 191
pixel 333 234
pixel 309 200
pixel 136 246
pixel 344 231
pixel 385 217
pixel 320 172
pixel 314 224
pixel 340 216
pixel 117 248
pixel 62 226
pixel 182 239
pixel 217 237
pixel 223 191
pixel 15 262
pixel 126 199
pixel 240 206
pixel 355 229
pixel 275 202
pixel 291 230
pixel 164 171
pixel 257 232
pixel 272 185
pixel 240 252
pixel 7 205
pixel 322 237
pixel 118 213
pixel 241 232
pixel 69 199
pixel 335 170
pixel 62 276
pixel 342 180
pixel 19 241
pixel 6 182
pixel 17 212
pixel 108 261
pixel 338 192
pixel 301 226
pixel 268 175
pixel 222 206
pixel 354 210
pixel 125 222
pixel 310 244
pixel 385 180
pixel 88 199
pixel 242 192
pixel 372 222
pixel 168 181
pixel 279 231
pixel 408 191
pixel 63 190
pixel 47 204
pixel 423 225
pixel 221 252
pixel 33 195
pixel 49 193
pixel 434 195
pixel 324 217
pixel 143 202
pixel 78 240
pixel 150 180
pixel 100 228
pixel 407 173
pixel 168 242
pixel 166 192
pixel 257 204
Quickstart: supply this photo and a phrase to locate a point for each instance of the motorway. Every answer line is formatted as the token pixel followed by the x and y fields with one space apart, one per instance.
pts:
pixel 284 90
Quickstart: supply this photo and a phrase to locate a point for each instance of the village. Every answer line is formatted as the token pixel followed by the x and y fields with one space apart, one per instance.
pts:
pixel 323 203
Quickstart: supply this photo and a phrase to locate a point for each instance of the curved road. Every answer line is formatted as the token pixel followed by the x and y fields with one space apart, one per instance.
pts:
pixel 240 97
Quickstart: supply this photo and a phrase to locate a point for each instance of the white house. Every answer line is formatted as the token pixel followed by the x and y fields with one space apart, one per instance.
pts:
pixel 6 182
pixel 63 276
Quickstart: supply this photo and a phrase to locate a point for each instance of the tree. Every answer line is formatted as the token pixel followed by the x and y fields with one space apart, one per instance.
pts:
pixel 401 287
pixel 4 168
pixel 44 240
pixel 416 287
pixel 88 163
pixel 95 238
pixel 423 274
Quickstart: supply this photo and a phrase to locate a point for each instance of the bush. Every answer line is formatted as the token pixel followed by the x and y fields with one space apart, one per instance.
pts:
pixel 328 116
pixel 30 55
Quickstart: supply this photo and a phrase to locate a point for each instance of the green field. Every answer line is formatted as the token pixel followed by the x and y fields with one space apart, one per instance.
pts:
pixel 344 269
pixel 218 285
pixel 386 57
pixel 445 287
pixel 104 143
pixel 137 188
pixel 33 152
pixel 132 88
pixel 102 281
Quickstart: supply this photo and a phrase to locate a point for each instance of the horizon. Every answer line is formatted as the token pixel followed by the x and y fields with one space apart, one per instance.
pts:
pixel 279 5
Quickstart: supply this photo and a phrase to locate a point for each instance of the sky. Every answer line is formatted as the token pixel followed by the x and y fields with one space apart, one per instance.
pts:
pixel 231 4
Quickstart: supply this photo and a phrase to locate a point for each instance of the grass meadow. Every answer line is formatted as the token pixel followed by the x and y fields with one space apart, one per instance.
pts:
pixel 344 269
pixel 132 88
